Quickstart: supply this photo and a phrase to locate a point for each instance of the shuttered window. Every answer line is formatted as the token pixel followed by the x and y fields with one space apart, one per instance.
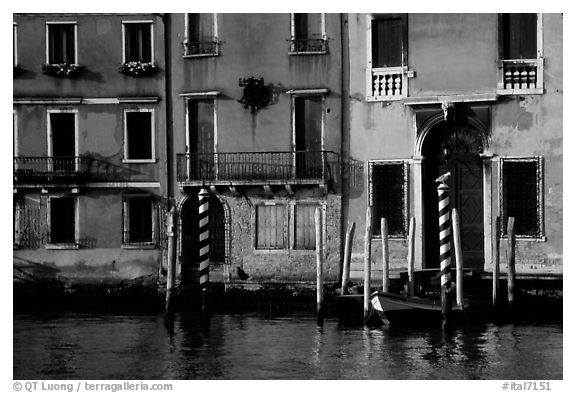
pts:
pixel 270 227
pixel 522 195
pixel 387 35
pixel 304 227
pixel 387 196
pixel 61 43
pixel 519 36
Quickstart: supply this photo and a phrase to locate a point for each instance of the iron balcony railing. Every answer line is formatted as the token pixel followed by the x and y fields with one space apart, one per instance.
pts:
pixel 201 48
pixel 257 166
pixel 51 167
pixel 308 45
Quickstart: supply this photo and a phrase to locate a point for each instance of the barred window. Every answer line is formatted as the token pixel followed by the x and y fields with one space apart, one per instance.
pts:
pixel 270 227
pixel 521 195
pixel 388 193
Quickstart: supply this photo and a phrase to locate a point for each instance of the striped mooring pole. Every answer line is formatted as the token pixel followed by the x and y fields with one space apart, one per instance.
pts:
pixel 203 243
pixel 445 262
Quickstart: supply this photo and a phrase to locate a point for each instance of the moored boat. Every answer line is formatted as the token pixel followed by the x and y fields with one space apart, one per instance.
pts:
pixel 409 310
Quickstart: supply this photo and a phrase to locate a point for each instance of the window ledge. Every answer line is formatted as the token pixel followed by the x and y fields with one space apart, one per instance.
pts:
pixel 200 55
pixel 539 90
pixel 62 246
pixel 324 52
pixel 390 237
pixel 138 246
pixel 139 161
pixel 527 239
pixel 276 251
pixel 384 98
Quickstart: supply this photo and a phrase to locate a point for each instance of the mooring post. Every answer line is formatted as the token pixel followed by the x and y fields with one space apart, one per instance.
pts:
pixel 385 254
pixel 367 259
pixel 204 244
pixel 444 230
pixel 319 263
pixel 171 273
pixel 459 262
pixel 411 256
pixel 511 261
pixel 495 262
pixel 347 257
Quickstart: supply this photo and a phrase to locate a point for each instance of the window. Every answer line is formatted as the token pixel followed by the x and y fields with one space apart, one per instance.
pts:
pixel 387 58
pixel 201 35
pixel 139 220
pixel 389 196
pixel 270 227
pixel 139 135
pixel 521 195
pixel 62 220
pixel 61 43
pixel 520 50
pixel 308 34
pixel 15 44
pixel 305 227
pixel 62 141
pixel 138 41
pixel 308 123
pixel 201 123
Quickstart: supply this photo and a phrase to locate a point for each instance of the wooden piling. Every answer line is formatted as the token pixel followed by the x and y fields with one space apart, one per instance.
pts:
pixel 459 262
pixel 385 253
pixel 410 259
pixel 495 262
pixel 171 272
pixel 511 261
pixel 347 258
pixel 319 263
pixel 367 259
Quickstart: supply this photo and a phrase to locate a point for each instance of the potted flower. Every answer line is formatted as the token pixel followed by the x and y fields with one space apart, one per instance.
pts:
pixel 137 68
pixel 62 70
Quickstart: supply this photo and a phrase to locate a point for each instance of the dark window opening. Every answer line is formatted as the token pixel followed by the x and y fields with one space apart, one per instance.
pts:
pixel 308 34
pixel 308 124
pixel 305 227
pixel 519 36
pixel 138 42
pixel 270 225
pixel 201 37
pixel 139 220
pixel 521 197
pixel 387 37
pixel 388 189
pixel 62 128
pixel 62 220
pixel 61 44
pixel 139 135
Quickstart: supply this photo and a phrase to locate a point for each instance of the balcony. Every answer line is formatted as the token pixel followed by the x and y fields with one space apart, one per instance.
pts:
pixel 387 84
pixel 39 169
pixel 308 46
pixel 523 76
pixel 67 170
pixel 257 168
pixel 202 48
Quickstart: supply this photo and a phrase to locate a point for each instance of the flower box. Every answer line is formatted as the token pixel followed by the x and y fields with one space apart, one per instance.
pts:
pixel 62 70
pixel 138 68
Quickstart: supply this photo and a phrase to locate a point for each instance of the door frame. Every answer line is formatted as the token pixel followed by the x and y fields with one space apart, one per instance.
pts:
pixel 488 160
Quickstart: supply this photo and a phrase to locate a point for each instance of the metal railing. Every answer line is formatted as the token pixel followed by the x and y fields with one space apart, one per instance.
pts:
pixel 305 45
pixel 201 48
pixel 50 167
pixel 257 166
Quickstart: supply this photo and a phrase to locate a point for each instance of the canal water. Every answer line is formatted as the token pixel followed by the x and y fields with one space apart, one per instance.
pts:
pixel 261 346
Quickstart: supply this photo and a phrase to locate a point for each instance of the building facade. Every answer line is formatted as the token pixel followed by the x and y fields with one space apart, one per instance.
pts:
pixel 120 117
pixel 90 171
pixel 476 95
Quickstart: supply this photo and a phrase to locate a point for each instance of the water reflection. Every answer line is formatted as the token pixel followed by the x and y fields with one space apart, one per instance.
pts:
pixel 263 346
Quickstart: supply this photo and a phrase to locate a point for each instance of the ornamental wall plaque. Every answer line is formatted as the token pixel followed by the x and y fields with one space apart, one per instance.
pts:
pixel 256 95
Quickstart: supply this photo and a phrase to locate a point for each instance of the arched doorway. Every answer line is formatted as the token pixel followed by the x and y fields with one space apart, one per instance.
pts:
pixel 454 147
pixel 189 236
